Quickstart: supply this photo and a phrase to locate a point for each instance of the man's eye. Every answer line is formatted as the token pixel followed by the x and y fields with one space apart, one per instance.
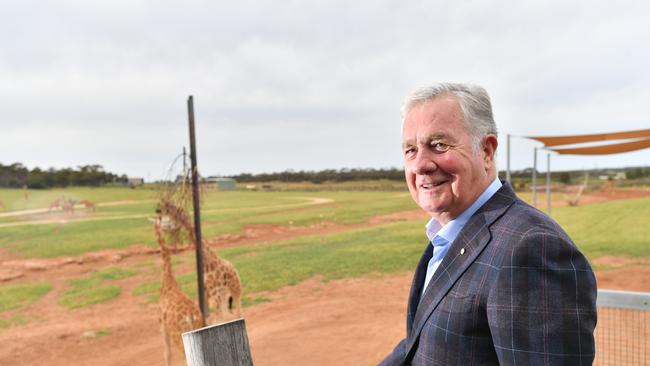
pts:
pixel 440 147
pixel 409 151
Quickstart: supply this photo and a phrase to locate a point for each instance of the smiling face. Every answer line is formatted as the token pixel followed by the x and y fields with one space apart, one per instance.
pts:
pixel 443 172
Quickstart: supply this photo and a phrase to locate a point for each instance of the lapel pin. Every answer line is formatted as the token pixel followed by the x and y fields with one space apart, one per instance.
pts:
pixel 462 251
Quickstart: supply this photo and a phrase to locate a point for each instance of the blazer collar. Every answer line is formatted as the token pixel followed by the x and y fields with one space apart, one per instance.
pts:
pixel 474 237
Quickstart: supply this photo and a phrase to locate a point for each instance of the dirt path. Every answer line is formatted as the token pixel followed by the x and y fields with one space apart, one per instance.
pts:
pixel 43 216
pixel 77 207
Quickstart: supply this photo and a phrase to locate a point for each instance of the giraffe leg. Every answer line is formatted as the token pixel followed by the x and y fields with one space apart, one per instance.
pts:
pixel 237 303
pixel 235 293
pixel 167 352
pixel 226 302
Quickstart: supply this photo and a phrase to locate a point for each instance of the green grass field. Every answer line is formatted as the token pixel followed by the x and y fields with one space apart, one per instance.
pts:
pixel 616 228
pixel 121 225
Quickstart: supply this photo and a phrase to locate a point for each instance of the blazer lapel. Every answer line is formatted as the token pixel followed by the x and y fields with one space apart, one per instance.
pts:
pixel 474 237
pixel 416 286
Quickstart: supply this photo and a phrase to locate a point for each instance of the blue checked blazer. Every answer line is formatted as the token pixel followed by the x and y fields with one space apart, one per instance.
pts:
pixel 512 290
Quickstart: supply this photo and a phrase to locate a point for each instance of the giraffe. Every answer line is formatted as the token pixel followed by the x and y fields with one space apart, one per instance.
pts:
pixel 222 283
pixel 54 205
pixel 178 313
pixel 222 286
pixel 68 206
pixel 89 205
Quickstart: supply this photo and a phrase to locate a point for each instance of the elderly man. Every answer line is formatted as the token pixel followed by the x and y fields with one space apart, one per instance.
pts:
pixel 500 283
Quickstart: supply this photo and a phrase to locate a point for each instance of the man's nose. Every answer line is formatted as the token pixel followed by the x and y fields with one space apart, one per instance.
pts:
pixel 424 163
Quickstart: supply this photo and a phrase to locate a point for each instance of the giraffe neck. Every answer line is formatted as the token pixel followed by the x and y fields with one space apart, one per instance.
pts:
pixel 168 278
pixel 208 253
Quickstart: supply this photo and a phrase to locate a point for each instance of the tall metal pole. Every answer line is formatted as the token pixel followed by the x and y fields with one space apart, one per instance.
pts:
pixel 197 212
pixel 548 183
pixel 508 159
pixel 535 177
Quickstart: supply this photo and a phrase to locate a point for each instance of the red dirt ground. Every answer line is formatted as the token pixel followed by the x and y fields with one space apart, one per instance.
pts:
pixel 346 322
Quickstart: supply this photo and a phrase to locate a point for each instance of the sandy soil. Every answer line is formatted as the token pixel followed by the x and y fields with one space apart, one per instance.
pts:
pixel 346 322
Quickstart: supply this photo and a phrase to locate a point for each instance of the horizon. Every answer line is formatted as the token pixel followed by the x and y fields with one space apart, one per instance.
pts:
pixel 540 169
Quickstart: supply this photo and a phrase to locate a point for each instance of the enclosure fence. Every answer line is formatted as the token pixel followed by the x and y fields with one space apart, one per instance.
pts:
pixel 622 330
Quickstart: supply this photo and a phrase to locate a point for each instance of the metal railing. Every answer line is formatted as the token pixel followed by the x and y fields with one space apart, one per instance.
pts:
pixel 622 332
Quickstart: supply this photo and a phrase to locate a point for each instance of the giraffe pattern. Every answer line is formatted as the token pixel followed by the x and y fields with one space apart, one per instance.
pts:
pixel 222 283
pixel 222 287
pixel 178 313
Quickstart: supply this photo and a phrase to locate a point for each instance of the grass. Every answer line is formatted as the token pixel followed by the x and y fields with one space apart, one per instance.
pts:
pixel 151 289
pixel 102 332
pixel 386 249
pixel 223 213
pixel 13 320
pixel 115 273
pixel 21 295
pixel 93 289
pixel 612 228
pixel 88 291
pixel 55 240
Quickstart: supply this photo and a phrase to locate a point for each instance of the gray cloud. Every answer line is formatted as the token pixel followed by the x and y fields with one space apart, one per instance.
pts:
pixel 305 85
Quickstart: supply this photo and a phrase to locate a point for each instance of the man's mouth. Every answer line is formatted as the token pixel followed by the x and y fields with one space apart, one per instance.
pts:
pixel 432 185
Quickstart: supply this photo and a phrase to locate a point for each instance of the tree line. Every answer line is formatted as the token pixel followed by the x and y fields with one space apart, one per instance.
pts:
pixel 17 175
pixel 343 175
pixel 327 175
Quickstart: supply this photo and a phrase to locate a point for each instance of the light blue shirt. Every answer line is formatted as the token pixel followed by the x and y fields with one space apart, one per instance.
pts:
pixel 441 237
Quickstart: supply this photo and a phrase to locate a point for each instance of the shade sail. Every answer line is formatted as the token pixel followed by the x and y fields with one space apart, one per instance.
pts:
pixel 606 149
pixel 576 139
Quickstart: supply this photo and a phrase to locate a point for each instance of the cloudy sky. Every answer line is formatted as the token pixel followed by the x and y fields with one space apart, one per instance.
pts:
pixel 306 85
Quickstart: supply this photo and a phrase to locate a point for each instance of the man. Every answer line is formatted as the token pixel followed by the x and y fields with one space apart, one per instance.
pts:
pixel 500 282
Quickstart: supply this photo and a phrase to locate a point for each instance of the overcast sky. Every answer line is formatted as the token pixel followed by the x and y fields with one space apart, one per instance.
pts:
pixel 306 85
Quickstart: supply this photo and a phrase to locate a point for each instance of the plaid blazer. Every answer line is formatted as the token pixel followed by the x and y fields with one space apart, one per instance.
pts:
pixel 513 289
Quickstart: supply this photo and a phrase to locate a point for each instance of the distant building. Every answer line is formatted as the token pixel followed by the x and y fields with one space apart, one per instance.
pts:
pixel 613 176
pixel 135 181
pixel 219 183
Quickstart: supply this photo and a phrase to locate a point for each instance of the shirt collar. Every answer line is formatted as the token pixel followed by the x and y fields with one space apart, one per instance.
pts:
pixel 450 231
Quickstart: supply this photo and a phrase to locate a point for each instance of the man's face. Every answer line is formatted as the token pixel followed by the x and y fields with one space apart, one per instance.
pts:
pixel 443 173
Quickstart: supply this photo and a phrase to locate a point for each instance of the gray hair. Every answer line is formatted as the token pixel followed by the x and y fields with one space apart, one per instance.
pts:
pixel 474 102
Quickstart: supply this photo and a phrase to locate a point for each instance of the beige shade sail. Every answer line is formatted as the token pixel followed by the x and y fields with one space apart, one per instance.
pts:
pixel 606 149
pixel 576 139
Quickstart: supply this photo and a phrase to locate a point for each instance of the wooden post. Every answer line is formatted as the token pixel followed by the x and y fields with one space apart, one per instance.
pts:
pixel 203 305
pixel 218 345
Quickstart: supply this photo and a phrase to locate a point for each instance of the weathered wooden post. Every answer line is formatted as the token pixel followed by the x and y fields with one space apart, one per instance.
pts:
pixel 218 345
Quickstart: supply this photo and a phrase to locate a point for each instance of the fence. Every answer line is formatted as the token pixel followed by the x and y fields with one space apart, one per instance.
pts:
pixel 622 331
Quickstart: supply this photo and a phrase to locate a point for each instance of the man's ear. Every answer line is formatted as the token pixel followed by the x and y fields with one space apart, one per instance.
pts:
pixel 490 143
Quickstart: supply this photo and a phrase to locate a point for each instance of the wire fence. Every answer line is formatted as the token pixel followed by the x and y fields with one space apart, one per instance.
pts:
pixel 623 325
